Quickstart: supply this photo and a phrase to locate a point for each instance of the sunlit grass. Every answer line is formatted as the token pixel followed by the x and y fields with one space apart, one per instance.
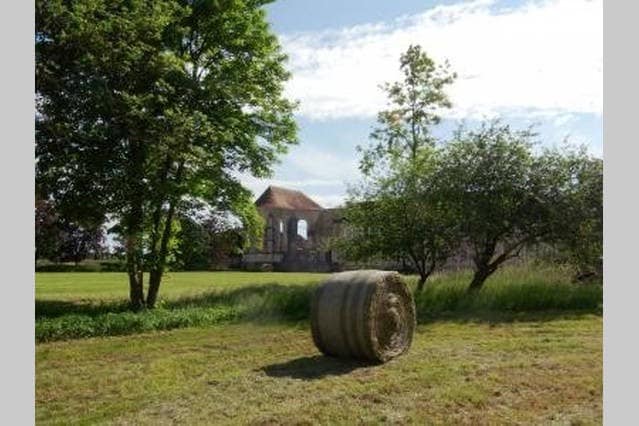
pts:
pixel 541 370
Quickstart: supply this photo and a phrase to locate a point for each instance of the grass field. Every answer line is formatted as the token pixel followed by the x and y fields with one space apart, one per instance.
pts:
pixel 527 349
pixel 113 286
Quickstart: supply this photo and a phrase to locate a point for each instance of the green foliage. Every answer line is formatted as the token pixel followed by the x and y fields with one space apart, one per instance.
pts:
pixel 506 196
pixel 88 265
pixel 581 234
pixel 145 106
pixel 397 211
pixel 252 222
pixel 192 251
pixel 210 243
pixel 415 104
pixel 402 216
pixel 60 240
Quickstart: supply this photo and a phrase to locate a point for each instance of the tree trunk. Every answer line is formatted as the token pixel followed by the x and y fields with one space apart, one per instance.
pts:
pixel 479 278
pixel 134 263
pixel 134 224
pixel 421 282
pixel 136 277
pixel 486 267
pixel 136 292
pixel 155 278
pixel 160 260
pixel 134 258
pixel 158 268
pixel 424 273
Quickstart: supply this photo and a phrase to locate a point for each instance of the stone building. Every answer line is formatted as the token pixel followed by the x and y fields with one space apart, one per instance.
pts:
pixel 296 233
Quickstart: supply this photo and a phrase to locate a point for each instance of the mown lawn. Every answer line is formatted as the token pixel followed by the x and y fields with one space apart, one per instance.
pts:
pixel 234 347
pixel 110 286
pixel 540 370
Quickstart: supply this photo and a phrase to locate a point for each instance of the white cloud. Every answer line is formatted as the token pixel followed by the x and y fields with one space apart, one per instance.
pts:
pixel 328 201
pixel 318 163
pixel 544 56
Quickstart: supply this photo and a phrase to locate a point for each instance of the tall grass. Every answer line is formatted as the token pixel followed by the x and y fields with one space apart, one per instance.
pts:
pixel 61 320
pixel 527 288
pixel 515 289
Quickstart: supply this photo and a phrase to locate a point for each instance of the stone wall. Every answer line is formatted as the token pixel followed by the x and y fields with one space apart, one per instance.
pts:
pixel 285 246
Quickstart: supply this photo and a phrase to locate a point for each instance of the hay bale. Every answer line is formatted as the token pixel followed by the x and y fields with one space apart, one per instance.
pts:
pixel 366 314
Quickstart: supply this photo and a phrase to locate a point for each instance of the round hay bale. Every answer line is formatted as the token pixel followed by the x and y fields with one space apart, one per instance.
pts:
pixel 366 314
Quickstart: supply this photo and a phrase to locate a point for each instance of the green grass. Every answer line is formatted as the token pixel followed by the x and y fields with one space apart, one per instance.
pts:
pixel 536 370
pixel 114 285
pixel 528 288
pixel 233 347
pixel 81 305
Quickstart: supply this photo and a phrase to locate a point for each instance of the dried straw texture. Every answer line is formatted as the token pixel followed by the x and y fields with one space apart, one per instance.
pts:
pixel 363 314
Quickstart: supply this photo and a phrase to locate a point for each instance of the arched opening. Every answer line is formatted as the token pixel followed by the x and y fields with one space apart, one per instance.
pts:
pixel 302 229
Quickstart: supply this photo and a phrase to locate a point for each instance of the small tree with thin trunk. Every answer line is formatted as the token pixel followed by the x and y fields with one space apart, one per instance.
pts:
pixel 396 211
pixel 402 215
pixel 415 104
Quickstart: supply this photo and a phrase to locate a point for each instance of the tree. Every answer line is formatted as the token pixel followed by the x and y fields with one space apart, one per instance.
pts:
pixel 397 210
pixel 226 241
pixel 61 240
pixel 147 106
pixel 205 243
pixel 402 215
pixel 580 234
pixel 192 247
pixel 47 233
pixel 415 103
pixel 586 242
pixel 506 197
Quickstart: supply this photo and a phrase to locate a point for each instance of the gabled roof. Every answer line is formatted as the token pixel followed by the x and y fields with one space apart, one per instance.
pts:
pixel 286 199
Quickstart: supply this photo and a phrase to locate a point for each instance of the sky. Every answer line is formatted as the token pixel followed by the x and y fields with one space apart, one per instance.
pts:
pixel 527 62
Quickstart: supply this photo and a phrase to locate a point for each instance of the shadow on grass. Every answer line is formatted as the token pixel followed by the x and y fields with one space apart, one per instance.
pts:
pixel 313 367
pixel 58 308
pixel 291 299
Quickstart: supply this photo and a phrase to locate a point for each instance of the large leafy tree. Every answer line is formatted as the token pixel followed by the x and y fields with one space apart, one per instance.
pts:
pixel 148 107
pixel 397 210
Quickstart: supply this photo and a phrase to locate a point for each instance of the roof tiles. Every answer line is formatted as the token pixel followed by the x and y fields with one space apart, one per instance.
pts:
pixel 286 199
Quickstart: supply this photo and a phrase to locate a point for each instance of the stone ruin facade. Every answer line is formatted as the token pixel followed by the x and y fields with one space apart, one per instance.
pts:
pixel 296 233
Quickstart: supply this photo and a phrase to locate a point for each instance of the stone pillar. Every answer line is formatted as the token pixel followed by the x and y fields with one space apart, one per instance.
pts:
pixel 268 235
pixel 291 235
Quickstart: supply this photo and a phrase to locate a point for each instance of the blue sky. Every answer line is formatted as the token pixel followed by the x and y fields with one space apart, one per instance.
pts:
pixel 533 62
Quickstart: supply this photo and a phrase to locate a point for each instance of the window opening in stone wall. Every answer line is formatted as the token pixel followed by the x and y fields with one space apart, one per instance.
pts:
pixel 302 228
